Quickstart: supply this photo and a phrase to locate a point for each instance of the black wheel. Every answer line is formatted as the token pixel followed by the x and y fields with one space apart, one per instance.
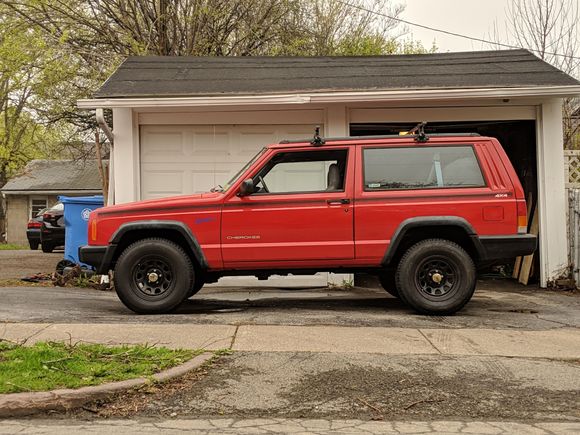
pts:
pixel 153 276
pixel 388 282
pixel 62 265
pixel 47 248
pixel 436 276
pixel 197 285
pixel 34 245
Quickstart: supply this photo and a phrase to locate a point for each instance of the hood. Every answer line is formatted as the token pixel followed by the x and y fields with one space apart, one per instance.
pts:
pixel 160 203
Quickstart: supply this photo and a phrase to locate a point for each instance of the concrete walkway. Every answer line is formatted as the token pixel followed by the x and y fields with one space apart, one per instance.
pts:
pixel 561 343
pixel 280 425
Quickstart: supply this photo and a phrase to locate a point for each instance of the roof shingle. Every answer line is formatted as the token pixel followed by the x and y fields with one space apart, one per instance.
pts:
pixel 165 76
pixel 56 175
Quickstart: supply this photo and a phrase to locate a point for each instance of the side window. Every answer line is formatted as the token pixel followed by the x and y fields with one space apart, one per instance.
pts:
pixel 303 171
pixel 421 168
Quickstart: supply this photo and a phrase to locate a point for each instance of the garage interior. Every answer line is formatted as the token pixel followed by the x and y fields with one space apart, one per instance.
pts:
pixel 518 138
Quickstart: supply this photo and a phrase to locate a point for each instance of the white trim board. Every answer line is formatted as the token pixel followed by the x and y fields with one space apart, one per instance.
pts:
pixel 433 114
pixel 256 117
pixel 333 97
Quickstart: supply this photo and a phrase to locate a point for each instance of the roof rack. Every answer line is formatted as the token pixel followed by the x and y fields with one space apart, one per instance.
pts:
pixel 387 136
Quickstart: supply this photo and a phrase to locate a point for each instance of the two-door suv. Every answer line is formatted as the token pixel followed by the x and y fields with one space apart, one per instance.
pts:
pixel 421 213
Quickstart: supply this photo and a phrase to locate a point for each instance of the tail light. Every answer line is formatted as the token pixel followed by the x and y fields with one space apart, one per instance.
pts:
pixel 522 216
pixel 33 224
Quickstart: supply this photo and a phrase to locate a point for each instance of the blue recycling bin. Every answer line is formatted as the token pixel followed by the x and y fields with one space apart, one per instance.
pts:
pixel 76 222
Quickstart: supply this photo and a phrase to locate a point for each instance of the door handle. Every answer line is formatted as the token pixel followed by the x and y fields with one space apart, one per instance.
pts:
pixel 338 201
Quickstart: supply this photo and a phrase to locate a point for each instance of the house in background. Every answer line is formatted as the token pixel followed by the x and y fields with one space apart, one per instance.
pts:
pixel 38 186
pixel 184 124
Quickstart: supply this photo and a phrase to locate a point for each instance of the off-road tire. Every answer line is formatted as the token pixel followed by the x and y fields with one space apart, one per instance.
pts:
pixel 47 248
pixel 197 285
pixel 388 282
pixel 436 256
pixel 163 258
pixel 34 245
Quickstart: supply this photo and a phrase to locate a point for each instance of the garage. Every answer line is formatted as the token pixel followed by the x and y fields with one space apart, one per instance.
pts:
pixel 173 136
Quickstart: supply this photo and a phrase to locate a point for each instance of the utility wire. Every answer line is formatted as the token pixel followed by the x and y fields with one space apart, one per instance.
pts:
pixel 447 32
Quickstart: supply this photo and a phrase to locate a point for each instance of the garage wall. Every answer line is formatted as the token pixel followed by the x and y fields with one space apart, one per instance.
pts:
pixel 16 219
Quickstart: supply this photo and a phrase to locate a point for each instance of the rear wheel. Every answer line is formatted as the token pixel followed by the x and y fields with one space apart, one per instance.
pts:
pixel 388 282
pixel 33 245
pixel 47 247
pixel 153 276
pixel 436 276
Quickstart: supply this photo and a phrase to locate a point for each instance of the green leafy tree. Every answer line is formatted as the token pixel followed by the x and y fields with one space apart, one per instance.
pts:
pixel 28 69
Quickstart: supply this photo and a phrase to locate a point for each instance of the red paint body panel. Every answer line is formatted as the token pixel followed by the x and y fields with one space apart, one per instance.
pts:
pixel 302 230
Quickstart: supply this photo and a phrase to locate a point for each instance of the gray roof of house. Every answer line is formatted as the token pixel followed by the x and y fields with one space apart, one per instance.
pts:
pixel 56 175
pixel 155 76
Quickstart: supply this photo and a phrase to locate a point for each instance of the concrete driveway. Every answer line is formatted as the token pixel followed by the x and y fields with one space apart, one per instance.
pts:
pixel 328 358
pixel 16 264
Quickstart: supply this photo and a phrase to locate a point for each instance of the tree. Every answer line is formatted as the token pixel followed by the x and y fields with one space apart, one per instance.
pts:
pixel 28 68
pixel 551 29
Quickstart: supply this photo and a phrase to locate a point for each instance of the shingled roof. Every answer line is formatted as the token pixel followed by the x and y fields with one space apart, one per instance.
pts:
pixel 164 76
pixel 56 176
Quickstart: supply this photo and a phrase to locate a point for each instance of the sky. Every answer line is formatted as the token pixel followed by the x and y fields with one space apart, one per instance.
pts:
pixel 470 17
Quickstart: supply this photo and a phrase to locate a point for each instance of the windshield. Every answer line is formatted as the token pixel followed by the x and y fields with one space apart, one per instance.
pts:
pixel 241 171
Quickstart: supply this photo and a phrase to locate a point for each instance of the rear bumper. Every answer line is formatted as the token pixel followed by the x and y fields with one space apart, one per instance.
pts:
pixel 96 256
pixel 33 235
pixel 52 235
pixel 504 247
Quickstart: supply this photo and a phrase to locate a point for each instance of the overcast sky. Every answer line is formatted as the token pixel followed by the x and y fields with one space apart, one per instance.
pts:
pixel 469 17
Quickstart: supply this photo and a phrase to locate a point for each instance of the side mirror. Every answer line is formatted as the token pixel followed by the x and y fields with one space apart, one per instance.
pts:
pixel 247 187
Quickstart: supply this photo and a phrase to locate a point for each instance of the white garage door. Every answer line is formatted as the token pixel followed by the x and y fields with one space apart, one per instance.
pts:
pixel 182 159
pixel 179 159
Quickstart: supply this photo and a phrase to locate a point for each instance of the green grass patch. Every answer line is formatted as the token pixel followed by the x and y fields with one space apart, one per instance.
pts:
pixel 11 247
pixel 50 365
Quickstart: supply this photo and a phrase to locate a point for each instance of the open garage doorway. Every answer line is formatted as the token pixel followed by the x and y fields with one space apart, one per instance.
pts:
pixel 517 137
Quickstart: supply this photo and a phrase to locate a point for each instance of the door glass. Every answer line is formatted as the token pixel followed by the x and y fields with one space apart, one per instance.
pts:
pixel 304 171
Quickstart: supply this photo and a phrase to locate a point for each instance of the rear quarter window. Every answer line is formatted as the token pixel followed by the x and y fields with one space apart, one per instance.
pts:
pixel 425 167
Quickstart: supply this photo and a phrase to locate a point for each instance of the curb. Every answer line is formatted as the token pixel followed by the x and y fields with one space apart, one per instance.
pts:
pixel 21 404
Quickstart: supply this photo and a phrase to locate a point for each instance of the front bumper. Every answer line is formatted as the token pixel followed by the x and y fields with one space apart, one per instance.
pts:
pixel 506 247
pixel 96 256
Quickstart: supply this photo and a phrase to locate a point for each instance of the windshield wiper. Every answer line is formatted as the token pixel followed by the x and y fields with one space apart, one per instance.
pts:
pixel 217 188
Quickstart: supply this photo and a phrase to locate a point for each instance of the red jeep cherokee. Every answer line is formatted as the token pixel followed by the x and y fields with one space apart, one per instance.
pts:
pixel 419 212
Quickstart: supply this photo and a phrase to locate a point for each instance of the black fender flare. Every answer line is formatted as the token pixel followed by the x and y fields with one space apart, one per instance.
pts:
pixel 429 221
pixel 157 225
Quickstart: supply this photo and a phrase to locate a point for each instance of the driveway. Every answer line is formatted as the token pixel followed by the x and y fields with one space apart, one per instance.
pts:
pixel 17 264
pixel 497 304
pixel 330 358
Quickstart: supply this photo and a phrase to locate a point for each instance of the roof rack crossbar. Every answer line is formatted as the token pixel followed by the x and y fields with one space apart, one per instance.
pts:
pixel 385 136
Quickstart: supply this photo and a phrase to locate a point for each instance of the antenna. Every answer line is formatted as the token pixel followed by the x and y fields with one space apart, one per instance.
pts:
pixel 419 132
pixel 317 140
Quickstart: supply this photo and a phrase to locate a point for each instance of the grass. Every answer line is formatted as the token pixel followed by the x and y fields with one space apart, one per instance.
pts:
pixel 10 247
pixel 49 365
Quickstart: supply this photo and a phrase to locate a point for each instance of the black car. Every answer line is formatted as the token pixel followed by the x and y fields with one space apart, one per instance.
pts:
pixel 52 229
pixel 33 230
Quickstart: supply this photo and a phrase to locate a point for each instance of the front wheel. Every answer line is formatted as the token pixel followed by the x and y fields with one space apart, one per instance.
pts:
pixel 436 276
pixel 197 286
pixel 153 276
